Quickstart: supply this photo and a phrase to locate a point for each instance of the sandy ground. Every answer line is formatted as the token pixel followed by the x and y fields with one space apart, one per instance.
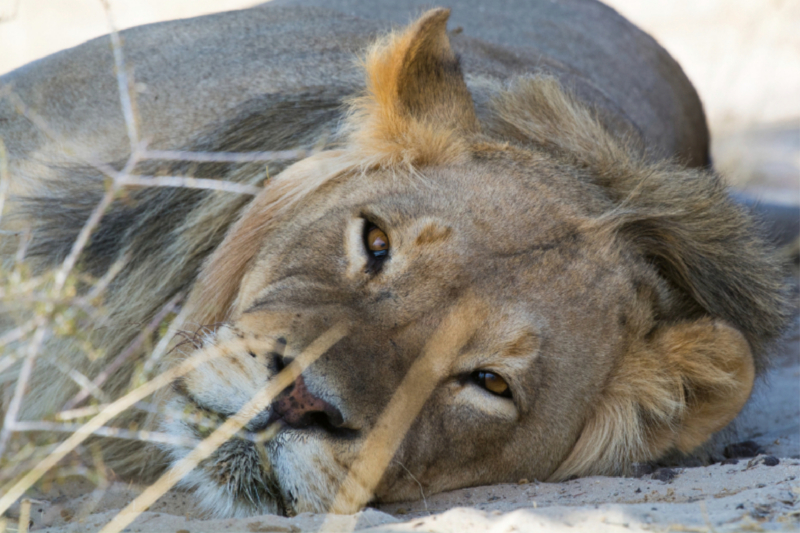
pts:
pixel 744 57
pixel 759 493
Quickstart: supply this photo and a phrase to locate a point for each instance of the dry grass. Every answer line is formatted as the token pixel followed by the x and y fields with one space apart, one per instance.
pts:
pixel 59 309
pixel 53 304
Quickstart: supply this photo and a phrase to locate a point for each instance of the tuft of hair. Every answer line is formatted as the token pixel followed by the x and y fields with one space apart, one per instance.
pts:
pixel 671 391
pixel 416 108
pixel 682 220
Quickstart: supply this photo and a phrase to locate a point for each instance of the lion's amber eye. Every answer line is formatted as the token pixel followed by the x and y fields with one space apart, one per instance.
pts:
pixel 377 242
pixel 492 382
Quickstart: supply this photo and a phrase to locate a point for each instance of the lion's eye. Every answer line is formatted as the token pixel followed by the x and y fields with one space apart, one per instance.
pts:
pixel 377 242
pixel 492 382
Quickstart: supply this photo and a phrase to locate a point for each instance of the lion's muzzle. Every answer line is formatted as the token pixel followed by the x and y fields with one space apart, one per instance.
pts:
pixel 298 408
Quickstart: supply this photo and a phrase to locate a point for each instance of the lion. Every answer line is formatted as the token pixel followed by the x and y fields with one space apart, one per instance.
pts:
pixel 506 260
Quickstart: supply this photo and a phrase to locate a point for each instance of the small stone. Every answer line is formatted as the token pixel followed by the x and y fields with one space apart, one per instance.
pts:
pixel 760 511
pixel 641 469
pixel 748 448
pixel 766 460
pixel 771 460
pixel 664 474
pixel 638 490
pixel 523 481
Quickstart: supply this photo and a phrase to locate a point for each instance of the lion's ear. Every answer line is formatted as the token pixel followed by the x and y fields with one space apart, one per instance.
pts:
pixel 417 107
pixel 671 391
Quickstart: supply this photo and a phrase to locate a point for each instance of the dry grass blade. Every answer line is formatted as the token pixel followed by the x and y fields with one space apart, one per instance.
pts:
pixel 385 438
pixel 80 412
pixel 124 83
pixel 103 283
pixel 123 356
pixel 161 348
pixel 119 433
pixel 19 332
pixel 113 410
pixel 83 237
pixel 24 516
pixel 91 223
pixel 4 178
pixel 251 409
pixel 14 406
pixel 43 127
pixel 226 157
pixel 187 182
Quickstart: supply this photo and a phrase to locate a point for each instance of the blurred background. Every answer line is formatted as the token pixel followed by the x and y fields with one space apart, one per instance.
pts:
pixel 742 55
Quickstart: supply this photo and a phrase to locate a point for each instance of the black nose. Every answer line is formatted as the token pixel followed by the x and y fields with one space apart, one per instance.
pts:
pixel 298 408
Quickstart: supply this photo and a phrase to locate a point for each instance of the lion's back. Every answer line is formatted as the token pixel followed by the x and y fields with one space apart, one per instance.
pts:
pixel 192 75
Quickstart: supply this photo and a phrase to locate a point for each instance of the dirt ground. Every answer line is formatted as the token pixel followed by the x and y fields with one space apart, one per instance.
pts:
pixel 744 57
pixel 759 493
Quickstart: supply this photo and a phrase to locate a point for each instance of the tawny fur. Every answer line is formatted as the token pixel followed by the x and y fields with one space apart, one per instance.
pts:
pixel 700 295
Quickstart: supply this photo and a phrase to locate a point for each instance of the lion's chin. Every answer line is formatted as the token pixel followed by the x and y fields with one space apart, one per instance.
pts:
pixel 234 482
pixel 292 473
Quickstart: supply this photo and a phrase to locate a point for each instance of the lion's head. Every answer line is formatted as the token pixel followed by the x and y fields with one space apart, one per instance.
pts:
pixel 516 297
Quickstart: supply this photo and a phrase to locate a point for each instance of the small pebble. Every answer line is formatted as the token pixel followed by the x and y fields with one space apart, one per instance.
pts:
pixel 664 474
pixel 641 469
pixel 748 448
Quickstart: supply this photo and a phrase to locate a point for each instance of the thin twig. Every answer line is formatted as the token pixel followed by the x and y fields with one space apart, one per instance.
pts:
pixel 81 380
pixel 102 284
pixel 105 431
pixel 4 179
pixel 83 237
pixel 99 491
pixel 421 491
pixel 22 248
pixel 226 157
pixel 124 83
pixel 41 124
pixel 161 348
pixel 94 219
pixel 18 332
pixel 24 516
pixel 19 391
pixel 187 182
pixel 80 412
pixel 124 355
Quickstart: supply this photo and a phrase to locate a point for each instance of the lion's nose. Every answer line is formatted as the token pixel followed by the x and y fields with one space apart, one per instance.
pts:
pixel 298 408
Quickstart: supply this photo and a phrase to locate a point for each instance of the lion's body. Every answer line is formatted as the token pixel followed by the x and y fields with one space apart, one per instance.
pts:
pixel 547 215
pixel 199 73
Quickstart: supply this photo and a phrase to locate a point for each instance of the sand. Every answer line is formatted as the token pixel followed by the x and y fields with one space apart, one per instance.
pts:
pixel 759 493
